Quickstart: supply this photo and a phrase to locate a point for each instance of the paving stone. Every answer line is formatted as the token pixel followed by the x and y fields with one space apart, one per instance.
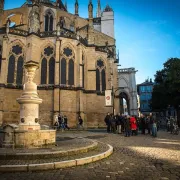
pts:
pixel 135 158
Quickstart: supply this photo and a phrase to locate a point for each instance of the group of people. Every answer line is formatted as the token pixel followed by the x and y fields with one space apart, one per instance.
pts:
pixel 61 122
pixel 172 125
pixel 130 125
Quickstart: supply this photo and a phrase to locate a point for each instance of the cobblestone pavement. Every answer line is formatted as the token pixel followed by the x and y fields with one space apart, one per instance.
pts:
pixel 139 157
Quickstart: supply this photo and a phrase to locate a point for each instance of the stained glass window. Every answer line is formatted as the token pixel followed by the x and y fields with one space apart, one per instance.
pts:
pixel 49 21
pixel 63 71
pixel 103 75
pixel 51 70
pixel 71 72
pixel 19 75
pixel 43 71
pixel 17 50
pixel 11 68
pixel 97 80
pixel 48 51
pixel 67 52
pixel 100 63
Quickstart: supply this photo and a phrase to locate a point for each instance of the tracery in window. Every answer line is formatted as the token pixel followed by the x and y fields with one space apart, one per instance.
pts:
pixel 15 65
pixel 19 73
pixel 67 67
pixel 48 65
pixel 49 21
pixel 100 76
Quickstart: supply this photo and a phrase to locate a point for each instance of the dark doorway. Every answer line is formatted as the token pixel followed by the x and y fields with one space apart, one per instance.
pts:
pixel 124 103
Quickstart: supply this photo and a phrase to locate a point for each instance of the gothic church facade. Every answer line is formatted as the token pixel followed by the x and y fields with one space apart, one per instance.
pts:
pixel 77 60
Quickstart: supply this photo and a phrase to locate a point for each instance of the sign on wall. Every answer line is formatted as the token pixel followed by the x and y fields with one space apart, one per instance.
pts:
pixel 108 98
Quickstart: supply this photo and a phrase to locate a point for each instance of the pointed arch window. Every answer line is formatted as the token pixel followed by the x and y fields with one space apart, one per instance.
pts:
pixel 97 80
pixel 15 65
pixel 67 67
pixel 71 72
pixel 63 71
pixel 49 21
pixel 11 69
pixel 19 74
pixel 100 76
pixel 51 70
pixel 43 71
pixel 48 66
pixel 103 76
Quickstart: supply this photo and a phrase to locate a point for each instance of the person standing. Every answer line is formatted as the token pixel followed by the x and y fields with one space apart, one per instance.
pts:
pixel 154 128
pixel 119 123
pixel 59 120
pixel 151 121
pixel 143 124
pixel 107 120
pixel 133 125
pixel 127 127
pixel 113 123
pixel 80 123
pixel 66 123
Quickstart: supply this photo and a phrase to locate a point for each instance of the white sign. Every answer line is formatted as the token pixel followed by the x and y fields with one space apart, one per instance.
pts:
pixel 108 98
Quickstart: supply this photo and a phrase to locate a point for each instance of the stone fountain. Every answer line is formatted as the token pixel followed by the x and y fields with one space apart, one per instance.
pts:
pixel 28 133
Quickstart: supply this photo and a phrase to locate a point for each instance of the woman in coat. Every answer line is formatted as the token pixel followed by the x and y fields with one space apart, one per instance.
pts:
pixel 133 125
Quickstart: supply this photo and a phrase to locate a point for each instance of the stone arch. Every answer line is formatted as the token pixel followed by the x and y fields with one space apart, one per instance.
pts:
pixel 45 72
pixel 17 50
pixel 125 80
pixel 103 59
pixel 101 75
pixel 70 45
pixel 47 14
pixel 127 84
pixel 68 55
pixel 123 94
pixel 47 43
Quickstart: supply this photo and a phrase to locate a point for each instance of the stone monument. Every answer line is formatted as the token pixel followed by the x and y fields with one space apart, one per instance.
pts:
pixel 28 133
pixel 29 101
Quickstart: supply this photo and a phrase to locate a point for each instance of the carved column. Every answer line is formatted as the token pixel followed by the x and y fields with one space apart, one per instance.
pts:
pixel 29 101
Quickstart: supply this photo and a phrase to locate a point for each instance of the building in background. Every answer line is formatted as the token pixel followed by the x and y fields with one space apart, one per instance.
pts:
pixel 127 91
pixel 145 90
pixel 77 60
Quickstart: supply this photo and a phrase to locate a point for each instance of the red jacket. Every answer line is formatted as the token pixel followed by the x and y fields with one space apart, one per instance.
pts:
pixel 133 123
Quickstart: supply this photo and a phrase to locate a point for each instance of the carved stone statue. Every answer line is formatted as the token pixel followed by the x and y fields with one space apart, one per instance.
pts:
pixel 34 20
pixel 8 23
pixel 62 22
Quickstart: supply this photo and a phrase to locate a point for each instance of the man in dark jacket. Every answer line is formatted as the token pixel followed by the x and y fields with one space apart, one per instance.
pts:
pixel 107 120
pixel 143 123
pixel 119 123
pixel 66 123
pixel 127 127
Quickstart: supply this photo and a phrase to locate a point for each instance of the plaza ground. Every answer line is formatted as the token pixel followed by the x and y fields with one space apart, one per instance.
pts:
pixel 139 157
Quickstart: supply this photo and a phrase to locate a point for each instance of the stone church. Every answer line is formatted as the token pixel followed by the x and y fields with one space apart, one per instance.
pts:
pixel 77 60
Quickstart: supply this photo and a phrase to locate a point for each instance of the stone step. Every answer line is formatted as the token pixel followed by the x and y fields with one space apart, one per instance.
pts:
pixel 102 151
pixel 64 148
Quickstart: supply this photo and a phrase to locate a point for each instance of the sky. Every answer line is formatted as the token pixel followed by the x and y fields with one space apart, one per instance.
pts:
pixel 147 32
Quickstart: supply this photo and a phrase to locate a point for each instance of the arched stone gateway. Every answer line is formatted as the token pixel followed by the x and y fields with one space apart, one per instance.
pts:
pixel 127 91
pixel 124 103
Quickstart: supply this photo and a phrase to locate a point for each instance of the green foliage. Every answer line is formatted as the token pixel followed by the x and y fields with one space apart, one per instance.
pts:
pixel 167 85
